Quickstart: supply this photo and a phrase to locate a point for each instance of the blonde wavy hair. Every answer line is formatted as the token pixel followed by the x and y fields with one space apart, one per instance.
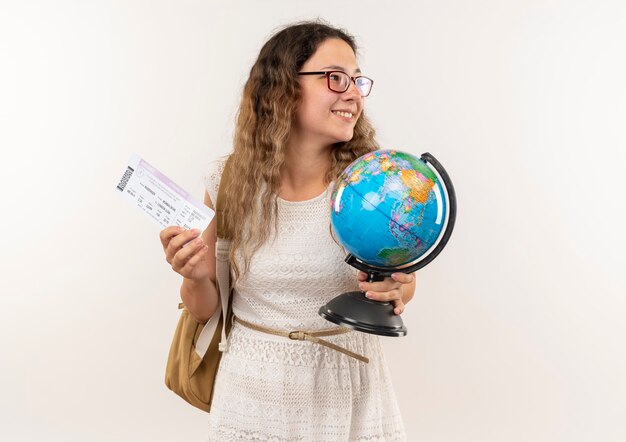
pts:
pixel 271 97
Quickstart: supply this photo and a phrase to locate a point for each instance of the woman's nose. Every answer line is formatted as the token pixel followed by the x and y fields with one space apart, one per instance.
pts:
pixel 352 93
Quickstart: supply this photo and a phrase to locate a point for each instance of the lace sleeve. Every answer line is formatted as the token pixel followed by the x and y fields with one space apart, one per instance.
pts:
pixel 212 178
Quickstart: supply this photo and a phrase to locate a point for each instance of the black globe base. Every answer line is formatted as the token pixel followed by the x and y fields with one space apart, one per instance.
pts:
pixel 354 310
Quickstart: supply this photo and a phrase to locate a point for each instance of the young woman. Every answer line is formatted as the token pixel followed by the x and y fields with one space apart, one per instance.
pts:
pixel 300 123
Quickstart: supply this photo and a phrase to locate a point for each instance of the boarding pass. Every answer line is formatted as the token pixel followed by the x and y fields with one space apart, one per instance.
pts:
pixel 159 198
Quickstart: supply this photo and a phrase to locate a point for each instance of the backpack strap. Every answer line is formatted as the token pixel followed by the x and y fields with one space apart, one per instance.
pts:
pixel 224 229
pixel 222 253
pixel 224 288
pixel 222 263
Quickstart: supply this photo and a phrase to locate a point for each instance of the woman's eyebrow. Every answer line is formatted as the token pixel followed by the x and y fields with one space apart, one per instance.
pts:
pixel 341 68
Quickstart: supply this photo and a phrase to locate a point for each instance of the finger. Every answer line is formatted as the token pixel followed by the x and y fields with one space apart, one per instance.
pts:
pixel 390 295
pixel 398 306
pixel 195 259
pixel 404 278
pixel 168 233
pixel 185 253
pixel 361 276
pixel 177 242
pixel 380 286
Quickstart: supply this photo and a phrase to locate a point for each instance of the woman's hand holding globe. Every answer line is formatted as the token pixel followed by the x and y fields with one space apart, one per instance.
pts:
pixel 390 289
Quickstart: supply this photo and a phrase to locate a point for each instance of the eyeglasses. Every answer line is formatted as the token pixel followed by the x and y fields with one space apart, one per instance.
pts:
pixel 339 81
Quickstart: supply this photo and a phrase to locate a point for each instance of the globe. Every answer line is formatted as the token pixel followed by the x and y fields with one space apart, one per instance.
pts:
pixel 388 208
pixel 392 211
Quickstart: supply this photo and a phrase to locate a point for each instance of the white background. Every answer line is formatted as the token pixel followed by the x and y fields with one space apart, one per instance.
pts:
pixel 516 332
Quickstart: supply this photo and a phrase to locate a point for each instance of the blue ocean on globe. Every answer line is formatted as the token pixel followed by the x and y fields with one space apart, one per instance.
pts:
pixel 388 208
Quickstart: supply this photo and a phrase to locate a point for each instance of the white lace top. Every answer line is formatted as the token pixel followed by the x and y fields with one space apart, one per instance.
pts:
pixel 273 388
pixel 282 287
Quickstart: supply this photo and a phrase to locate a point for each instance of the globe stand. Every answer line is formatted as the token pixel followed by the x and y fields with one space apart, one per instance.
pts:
pixel 354 310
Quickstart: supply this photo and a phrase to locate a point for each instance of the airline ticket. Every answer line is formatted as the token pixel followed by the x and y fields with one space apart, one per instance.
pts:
pixel 159 198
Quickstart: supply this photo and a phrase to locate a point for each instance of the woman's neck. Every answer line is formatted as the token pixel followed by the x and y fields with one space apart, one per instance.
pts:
pixel 303 175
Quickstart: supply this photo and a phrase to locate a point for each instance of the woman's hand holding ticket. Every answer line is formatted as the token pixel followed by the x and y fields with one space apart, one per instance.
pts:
pixel 186 252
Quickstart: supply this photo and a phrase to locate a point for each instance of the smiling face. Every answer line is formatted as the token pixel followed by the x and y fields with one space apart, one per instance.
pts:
pixel 324 116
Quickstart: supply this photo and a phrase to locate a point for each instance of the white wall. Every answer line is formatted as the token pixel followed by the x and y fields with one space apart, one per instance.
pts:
pixel 516 331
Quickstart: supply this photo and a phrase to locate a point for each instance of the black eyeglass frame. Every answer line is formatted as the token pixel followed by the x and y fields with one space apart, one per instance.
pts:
pixel 354 79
